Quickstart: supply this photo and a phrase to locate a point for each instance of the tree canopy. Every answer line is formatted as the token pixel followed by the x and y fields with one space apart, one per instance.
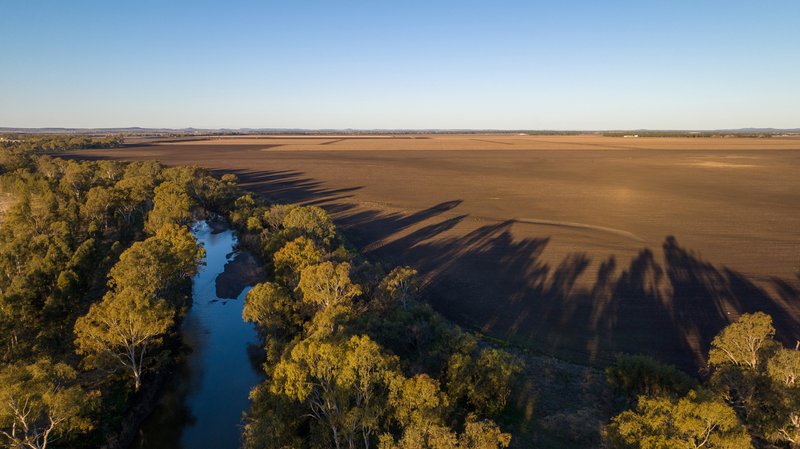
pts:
pixel 353 359
pixel 40 404
pixel 694 421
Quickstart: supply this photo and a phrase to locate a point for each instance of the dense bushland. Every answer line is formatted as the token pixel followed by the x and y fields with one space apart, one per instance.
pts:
pixel 19 151
pixel 751 398
pixel 47 143
pixel 353 358
pixel 94 262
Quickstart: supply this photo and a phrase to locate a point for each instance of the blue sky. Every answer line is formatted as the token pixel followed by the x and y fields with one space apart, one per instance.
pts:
pixel 379 64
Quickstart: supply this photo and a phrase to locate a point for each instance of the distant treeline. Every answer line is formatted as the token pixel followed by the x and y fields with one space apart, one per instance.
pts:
pixel 38 144
pixel 684 134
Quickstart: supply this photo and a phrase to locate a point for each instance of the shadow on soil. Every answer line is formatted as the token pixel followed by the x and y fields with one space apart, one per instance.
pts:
pixel 669 306
pixel 487 280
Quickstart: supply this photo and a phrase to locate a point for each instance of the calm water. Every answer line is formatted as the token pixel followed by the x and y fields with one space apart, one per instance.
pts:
pixel 203 406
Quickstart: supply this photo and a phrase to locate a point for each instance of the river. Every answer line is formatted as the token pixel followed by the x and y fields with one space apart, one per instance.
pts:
pixel 203 404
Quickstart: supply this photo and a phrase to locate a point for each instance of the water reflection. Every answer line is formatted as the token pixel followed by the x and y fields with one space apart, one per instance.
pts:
pixel 202 407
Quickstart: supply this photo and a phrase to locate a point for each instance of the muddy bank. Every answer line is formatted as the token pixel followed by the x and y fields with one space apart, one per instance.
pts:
pixel 143 406
pixel 217 225
pixel 242 271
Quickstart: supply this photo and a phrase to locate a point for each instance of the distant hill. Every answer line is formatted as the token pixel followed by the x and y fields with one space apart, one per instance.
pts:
pixel 761 130
pixel 139 131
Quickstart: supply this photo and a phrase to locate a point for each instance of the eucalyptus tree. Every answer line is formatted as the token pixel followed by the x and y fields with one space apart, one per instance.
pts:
pixel 695 421
pixel 343 383
pixel 41 404
pixel 328 290
pixel 172 204
pixel 124 331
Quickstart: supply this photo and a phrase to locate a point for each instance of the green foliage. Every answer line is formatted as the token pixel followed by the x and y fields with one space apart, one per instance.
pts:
pixel 752 394
pixel 743 342
pixel 46 143
pixel 46 262
pixel 19 152
pixel 124 331
pixel 218 194
pixel 694 421
pixel 484 381
pixel 127 326
pixel 139 179
pixel 70 223
pixel 270 305
pixel 343 383
pixel 759 377
pixel 186 254
pixel 295 256
pixel 784 367
pixel 277 421
pixel 76 179
pixel 159 263
pixel 331 346
pixel 327 285
pixel 328 290
pixel 273 218
pixel 312 222
pixel 400 285
pixel 40 404
pixel 424 339
pixel 278 316
pixel 417 401
pixel 171 205
pixel 477 435
pixel 636 375
pixel 100 204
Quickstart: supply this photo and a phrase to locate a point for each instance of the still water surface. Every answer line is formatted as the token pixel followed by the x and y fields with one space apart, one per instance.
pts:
pixel 202 407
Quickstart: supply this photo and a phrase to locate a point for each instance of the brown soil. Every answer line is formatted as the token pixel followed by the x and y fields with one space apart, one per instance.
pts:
pixel 564 252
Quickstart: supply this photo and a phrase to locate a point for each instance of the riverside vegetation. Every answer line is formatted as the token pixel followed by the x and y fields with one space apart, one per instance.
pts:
pixel 353 359
pixel 94 263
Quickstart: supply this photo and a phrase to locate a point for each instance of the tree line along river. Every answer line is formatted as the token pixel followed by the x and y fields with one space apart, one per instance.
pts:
pixel 202 405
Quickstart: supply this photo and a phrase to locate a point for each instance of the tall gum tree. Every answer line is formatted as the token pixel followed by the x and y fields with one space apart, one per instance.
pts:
pixel 124 330
pixel 39 404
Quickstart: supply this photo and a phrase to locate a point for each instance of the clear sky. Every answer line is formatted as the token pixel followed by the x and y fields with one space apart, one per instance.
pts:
pixel 403 64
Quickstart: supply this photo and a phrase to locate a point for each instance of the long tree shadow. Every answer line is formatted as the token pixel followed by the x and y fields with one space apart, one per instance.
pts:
pixel 289 186
pixel 666 302
pixel 486 279
pixel 670 310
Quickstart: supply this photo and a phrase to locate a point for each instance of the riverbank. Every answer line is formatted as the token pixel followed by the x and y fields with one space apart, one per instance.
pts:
pixel 143 403
pixel 241 271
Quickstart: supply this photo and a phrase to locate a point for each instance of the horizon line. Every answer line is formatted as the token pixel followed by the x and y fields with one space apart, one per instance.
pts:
pixel 300 129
